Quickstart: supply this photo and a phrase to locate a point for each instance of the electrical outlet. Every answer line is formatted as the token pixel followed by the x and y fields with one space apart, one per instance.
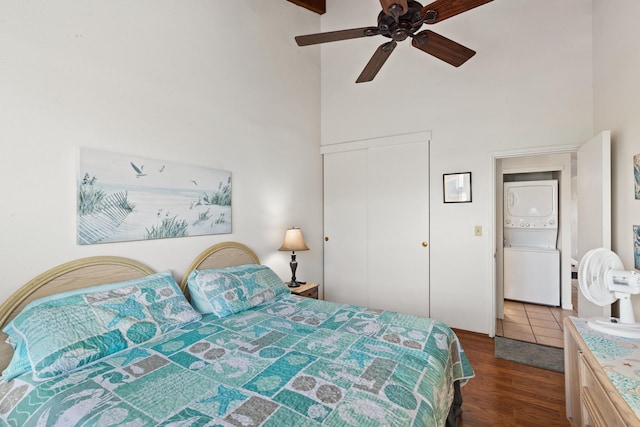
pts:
pixel 477 231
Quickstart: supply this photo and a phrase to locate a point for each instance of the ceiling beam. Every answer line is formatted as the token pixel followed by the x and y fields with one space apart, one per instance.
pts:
pixel 318 6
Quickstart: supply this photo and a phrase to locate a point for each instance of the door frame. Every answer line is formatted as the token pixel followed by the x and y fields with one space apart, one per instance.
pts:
pixel 382 141
pixel 492 253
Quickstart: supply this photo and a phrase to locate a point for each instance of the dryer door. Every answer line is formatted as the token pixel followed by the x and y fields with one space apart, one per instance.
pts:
pixel 531 204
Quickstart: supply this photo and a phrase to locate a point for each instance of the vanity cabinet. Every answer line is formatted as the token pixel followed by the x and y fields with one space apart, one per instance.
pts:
pixel 591 397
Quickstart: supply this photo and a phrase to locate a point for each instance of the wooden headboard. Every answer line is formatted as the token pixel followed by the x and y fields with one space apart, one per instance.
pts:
pixel 226 254
pixel 99 270
pixel 72 275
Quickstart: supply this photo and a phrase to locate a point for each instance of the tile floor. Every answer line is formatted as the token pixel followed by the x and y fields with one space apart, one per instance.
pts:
pixel 533 323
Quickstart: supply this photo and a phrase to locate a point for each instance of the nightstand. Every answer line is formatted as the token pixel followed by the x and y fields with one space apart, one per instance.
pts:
pixel 309 290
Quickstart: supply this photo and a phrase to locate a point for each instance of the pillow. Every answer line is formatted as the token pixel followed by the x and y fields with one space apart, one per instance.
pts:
pixel 66 331
pixel 19 363
pixel 229 290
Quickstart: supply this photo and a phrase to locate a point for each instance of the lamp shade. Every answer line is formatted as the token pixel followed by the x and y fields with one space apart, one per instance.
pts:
pixel 293 241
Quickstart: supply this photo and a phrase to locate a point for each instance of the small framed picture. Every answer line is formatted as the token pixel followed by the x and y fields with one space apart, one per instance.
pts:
pixel 457 187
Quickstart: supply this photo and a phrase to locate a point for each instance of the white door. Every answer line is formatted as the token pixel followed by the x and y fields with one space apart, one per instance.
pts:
pixel 376 221
pixel 345 227
pixel 398 228
pixel 594 207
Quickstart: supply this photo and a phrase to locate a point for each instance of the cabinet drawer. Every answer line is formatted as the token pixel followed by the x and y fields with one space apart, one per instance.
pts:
pixel 311 293
pixel 598 410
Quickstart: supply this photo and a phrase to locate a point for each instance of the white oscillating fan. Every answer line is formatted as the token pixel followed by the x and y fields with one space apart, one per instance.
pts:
pixel 602 281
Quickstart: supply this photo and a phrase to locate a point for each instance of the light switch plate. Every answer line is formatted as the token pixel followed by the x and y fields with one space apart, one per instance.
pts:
pixel 477 231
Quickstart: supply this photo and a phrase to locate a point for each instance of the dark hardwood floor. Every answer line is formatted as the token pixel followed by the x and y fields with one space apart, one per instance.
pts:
pixel 505 393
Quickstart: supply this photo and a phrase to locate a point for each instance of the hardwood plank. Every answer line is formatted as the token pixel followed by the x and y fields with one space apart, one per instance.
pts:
pixel 506 394
pixel 318 6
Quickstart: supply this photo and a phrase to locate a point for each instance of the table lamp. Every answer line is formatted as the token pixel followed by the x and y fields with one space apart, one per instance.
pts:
pixel 293 242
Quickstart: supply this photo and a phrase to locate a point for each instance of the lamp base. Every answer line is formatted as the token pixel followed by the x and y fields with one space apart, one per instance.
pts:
pixel 294 266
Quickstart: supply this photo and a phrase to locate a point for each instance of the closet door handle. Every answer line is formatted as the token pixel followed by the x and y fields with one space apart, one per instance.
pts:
pixel 425 244
pixel 326 238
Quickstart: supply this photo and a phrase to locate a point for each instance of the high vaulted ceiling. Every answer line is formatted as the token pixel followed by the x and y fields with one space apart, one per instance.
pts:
pixel 318 6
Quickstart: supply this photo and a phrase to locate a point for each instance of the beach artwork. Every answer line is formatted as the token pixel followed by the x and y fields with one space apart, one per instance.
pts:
pixel 636 246
pixel 124 198
pixel 636 175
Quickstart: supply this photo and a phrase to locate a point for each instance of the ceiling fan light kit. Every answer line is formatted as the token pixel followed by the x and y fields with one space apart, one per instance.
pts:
pixel 603 280
pixel 399 20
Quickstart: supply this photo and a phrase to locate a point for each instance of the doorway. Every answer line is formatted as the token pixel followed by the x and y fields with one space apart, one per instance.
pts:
pixel 522 320
pixel 593 209
pixel 549 160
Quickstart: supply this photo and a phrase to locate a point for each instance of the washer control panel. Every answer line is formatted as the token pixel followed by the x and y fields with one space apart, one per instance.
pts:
pixel 529 223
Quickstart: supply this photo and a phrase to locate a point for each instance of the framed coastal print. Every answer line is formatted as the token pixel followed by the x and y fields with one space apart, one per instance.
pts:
pixel 457 187
pixel 123 197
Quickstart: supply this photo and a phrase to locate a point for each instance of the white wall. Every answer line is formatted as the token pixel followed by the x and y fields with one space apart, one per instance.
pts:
pixel 530 85
pixel 202 82
pixel 617 107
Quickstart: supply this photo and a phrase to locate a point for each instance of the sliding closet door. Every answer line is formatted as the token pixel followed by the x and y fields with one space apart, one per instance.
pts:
pixel 345 227
pixel 376 224
pixel 398 228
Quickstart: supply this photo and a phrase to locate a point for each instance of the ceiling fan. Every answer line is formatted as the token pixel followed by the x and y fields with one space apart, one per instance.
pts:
pixel 399 20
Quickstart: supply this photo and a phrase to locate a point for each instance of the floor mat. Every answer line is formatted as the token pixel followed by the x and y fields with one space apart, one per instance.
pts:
pixel 531 354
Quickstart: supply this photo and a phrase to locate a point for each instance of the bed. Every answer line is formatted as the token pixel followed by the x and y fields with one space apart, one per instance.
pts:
pixel 262 357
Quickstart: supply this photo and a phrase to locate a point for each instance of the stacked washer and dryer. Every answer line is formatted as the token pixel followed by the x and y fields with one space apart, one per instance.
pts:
pixel 531 257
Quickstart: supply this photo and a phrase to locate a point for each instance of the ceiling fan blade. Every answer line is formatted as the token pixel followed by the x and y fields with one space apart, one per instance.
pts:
pixel 442 48
pixel 447 8
pixel 376 62
pixel 334 36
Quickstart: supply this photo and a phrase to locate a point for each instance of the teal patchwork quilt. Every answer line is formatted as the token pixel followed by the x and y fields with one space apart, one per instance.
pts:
pixel 290 362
